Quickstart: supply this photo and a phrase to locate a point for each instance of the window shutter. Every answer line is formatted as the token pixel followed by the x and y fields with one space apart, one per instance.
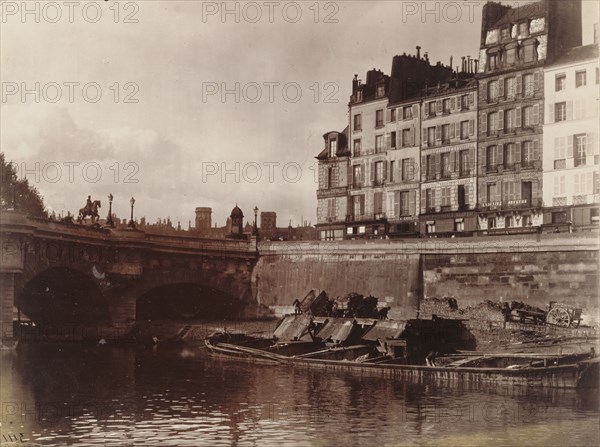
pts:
pixel 438 133
pixel 415 111
pixel 389 115
pixel 536 83
pixel 569 110
pixel 412 197
pixel 423 201
pixel 483 122
pixel 351 206
pixel 535 192
pixel 536 114
pixel 411 136
pixel 569 146
pixel 388 141
pixel 425 110
pixel 483 91
pixel 501 88
pixel 518 152
pixel 500 119
pixel 438 106
pixel 362 205
pixel 471 127
pixel 424 137
pixel 453 160
pixel 362 174
pixel 350 176
pixel 471 99
pixel 500 154
pixel 451 127
pixel 536 150
pixel 438 162
pixel 385 169
pixel 518 116
pixel 595 149
pixel 372 172
pixel 519 85
pixel 550 113
pixel 453 103
pixel 589 146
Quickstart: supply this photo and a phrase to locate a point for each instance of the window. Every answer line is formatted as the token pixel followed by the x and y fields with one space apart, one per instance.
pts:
pixel 393 140
pixel 429 200
pixel 446 106
pixel 331 208
pixel 510 119
pixel 379 118
pixel 377 203
pixel 559 217
pixel 332 148
pixel 580 79
pixel 393 115
pixel 511 56
pixel 404 205
pixel 357 175
pixel 491 223
pixel 359 95
pixel 406 140
pixel 358 203
pixel 463 163
pixel 464 130
pixel 380 90
pixel 491 193
pixel 407 113
pixel 528 84
pixel 446 133
pixel 491 158
pixel 492 91
pixel 357 122
pixel 527 154
pixel 464 102
pixel 527 116
pixel 431 167
pixel 407 171
pixel 510 88
pixel 529 52
pixel 560 111
pixel 492 122
pixel 330 183
pixel 378 181
pixel 560 82
pixel 357 147
pixel 559 153
pixel 431 108
pixel 379 143
pixel 431 136
pixel 505 33
pixel 579 142
pixel 511 192
pixel 524 29
pixel 392 167
pixel 430 227
pixel 508 221
pixel 510 154
pixel 559 186
pixel 446 202
pixel 445 160
pixel 492 61
pixel 459 225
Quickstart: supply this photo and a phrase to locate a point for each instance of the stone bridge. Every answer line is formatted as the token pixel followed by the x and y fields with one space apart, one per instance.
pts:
pixel 83 278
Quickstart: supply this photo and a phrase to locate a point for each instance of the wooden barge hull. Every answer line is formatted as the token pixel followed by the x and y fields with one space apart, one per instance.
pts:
pixel 583 374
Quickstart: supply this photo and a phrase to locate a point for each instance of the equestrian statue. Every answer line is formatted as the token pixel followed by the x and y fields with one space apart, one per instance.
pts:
pixel 90 209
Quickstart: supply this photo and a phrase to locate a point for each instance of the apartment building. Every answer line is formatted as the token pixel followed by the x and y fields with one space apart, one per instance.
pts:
pixel 516 43
pixel 448 158
pixel 571 179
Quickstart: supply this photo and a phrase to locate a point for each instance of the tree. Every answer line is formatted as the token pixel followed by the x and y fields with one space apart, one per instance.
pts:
pixel 27 198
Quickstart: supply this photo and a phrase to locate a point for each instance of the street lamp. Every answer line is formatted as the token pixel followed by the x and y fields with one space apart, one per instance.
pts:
pixel 109 219
pixel 131 222
pixel 255 229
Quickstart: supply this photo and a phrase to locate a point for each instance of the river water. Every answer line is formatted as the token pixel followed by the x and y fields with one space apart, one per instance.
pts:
pixel 85 395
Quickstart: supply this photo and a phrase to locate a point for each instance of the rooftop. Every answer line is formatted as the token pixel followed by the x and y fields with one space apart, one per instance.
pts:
pixel 520 13
pixel 577 54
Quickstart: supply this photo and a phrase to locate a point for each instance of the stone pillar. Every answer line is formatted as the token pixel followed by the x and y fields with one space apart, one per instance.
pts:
pixel 122 304
pixel 7 306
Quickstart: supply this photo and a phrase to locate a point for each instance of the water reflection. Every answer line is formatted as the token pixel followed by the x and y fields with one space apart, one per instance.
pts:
pixel 111 395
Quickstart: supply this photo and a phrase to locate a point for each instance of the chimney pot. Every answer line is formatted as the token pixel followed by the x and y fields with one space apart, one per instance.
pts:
pixel 418 52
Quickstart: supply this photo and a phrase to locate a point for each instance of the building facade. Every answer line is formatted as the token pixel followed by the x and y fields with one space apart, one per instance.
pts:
pixel 332 195
pixel 448 158
pixel 516 43
pixel 571 183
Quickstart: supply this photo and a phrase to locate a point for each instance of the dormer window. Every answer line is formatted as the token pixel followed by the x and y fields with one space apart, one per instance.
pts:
pixel 524 29
pixel 332 147
pixel 511 55
pixel 493 61
pixel 359 96
pixel 529 53
pixel 505 33
pixel 380 90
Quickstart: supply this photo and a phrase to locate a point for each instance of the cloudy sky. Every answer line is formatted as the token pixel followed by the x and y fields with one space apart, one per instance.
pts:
pixel 184 104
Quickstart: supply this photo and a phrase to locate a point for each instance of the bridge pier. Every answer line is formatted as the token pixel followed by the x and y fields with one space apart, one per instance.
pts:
pixel 7 307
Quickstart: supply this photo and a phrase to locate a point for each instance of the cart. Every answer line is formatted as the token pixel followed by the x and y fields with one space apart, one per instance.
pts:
pixel 531 316
pixel 563 315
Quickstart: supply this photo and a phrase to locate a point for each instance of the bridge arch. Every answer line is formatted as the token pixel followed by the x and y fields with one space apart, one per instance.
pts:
pixel 186 301
pixel 62 295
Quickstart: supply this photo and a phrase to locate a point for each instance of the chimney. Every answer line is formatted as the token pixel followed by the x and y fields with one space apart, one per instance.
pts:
pixel 463 64
pixel 451 61
pixel 476 65
pixel 469 64
pixel 418 52
pixel 426 56
pixel 355 83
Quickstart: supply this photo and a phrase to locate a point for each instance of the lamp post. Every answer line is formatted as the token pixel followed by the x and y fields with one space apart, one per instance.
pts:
pixel 109 219
pixel 255 229
pixel 131 222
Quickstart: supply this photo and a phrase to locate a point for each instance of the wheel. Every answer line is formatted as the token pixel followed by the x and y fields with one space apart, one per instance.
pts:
pixel 558 317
